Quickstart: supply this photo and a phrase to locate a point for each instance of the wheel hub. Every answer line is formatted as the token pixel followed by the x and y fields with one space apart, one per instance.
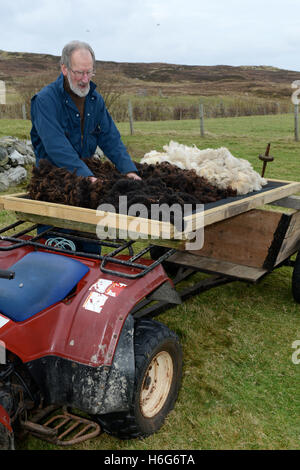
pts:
pixel 156 385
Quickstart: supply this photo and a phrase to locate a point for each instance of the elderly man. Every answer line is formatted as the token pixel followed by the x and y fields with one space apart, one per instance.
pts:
pixel 70 119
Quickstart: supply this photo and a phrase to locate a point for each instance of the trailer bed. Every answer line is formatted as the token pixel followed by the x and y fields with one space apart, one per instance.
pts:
pixel 87 220
pixel 241 241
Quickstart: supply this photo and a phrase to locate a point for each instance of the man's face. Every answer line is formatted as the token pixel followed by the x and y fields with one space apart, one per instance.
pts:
pixel 81 61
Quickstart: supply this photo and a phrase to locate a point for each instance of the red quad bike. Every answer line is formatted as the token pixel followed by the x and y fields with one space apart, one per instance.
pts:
pixel 77 333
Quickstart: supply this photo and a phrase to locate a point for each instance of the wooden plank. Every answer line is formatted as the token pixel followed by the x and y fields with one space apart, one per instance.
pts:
pixel 60 223
pixel 289 247
pixel 294 225
pixel 231 209
pixel 119 222
pixel 244 239
pixel 291 202
pixel 291 242
pixel 210 265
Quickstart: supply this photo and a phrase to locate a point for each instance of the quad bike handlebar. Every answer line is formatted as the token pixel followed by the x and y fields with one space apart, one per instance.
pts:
pixel 6 274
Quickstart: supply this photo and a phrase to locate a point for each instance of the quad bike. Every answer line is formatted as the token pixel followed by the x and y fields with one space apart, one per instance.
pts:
pixel 80 351
pixel 72 337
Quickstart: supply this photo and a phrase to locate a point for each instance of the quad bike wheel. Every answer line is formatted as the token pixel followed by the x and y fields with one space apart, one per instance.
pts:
pixel 296 279
pixel 158 361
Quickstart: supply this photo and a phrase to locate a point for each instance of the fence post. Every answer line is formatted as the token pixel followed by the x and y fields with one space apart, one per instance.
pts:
pixel 296 108
pixel 2 92
pixel 130 117
pixel 201 113
pixel 24 110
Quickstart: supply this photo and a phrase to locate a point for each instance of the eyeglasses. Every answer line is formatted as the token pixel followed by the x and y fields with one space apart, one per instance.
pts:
pixel 78 74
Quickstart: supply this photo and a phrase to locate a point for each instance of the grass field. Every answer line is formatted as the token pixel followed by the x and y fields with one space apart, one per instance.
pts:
pixel 240 388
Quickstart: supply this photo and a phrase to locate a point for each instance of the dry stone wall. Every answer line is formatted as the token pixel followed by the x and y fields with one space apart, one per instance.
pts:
pixel 15 156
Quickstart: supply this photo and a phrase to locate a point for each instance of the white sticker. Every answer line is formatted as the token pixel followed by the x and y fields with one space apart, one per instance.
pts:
pixel 114 289
pixel 100 292
pixel 101 285
pixel 95 302
pixel 105 286
pixel 3 321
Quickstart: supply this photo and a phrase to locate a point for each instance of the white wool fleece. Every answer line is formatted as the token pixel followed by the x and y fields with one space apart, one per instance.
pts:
pixel 218 166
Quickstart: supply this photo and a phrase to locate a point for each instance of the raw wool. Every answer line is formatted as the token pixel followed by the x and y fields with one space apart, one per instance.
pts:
pixel 162 184
pixel 218 166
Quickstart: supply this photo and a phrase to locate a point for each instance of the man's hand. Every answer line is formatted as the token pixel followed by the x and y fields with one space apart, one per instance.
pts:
pixel 133 176
pixel 92 179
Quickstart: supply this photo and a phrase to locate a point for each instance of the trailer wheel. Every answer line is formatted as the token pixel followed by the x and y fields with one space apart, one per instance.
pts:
pixel 158 361
pixel 296 279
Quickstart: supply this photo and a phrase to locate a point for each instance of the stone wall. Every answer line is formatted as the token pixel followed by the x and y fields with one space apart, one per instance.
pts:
pixel 15 156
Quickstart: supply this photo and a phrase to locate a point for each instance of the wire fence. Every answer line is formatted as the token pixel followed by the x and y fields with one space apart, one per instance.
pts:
pixel 15 111
pixel 159 112
pixel 122 112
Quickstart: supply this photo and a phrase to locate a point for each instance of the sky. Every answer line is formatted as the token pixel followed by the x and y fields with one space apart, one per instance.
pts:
pixel 185 32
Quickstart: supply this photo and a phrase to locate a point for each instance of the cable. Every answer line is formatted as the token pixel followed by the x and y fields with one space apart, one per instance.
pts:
pixel 62 243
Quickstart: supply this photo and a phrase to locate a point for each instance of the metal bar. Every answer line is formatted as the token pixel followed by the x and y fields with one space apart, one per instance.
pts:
pixel 69 430
pixel 144 269
pixel 39 429
pixel 121 248
pixel 26 230
pixel 83 430
pixel 72 236
pixel 141 253
pixel 60 424
pixel 17 242
pixel 9 227
pixel 201 286
pixel 181 275
pixel 205 285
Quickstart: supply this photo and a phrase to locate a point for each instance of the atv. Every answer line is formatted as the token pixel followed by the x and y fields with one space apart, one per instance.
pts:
pixel 76 334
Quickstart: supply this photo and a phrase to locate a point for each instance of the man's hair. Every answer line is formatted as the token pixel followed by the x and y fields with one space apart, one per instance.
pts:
pixel 74 46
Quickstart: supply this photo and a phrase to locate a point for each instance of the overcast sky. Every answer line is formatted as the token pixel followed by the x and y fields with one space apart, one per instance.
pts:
pixel 191 32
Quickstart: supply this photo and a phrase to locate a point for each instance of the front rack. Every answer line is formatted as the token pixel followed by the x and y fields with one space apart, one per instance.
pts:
pixel 17 241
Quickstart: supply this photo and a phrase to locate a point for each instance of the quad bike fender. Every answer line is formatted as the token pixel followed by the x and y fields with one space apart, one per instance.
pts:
pixel 102 313
pixel 95 390
pixel 120 383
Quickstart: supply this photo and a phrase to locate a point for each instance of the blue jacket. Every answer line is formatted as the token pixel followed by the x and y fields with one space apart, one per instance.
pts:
pixel 56 133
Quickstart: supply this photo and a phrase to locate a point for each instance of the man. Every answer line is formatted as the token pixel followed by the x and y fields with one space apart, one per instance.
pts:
pixel 70 119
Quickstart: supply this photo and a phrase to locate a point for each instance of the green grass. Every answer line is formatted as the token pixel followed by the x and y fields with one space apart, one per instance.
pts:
pixel 245 137
pixel 15 127
pixel 240 388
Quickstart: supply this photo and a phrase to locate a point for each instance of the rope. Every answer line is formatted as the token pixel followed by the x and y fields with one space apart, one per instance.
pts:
pixel 62 243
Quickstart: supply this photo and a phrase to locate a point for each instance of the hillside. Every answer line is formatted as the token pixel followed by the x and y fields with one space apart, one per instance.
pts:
pixel 24 72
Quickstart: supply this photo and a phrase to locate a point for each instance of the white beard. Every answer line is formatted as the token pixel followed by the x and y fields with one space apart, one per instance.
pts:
pixel 78 91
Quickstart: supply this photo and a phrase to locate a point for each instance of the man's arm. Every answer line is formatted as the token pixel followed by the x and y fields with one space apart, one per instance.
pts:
pixel 110 142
